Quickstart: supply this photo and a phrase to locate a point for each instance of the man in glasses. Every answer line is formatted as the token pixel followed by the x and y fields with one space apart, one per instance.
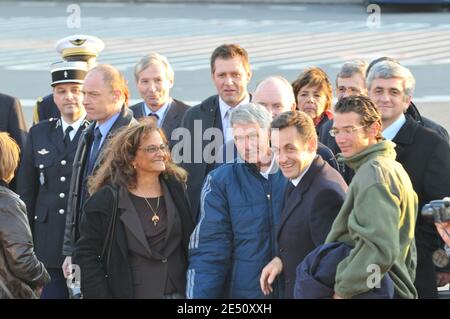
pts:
pixel 378 216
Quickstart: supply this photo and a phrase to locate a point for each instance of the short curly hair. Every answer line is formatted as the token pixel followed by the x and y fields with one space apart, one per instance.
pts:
pixel 315 77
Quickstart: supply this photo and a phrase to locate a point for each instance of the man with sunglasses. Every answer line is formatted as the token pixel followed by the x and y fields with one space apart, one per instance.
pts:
pixel 378 216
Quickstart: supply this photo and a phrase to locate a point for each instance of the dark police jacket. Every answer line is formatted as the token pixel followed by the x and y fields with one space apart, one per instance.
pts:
pixel 79 179
pixel 43 184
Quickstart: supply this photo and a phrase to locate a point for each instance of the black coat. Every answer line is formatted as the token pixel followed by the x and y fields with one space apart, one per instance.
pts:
pixel 426 158
pixel 308 212
pixel 194 161
pixel 12 121
pixel 45 109
pixel 43 184
pixel 115 281
pixel 426 122
pixel 77 196
pixel 172 119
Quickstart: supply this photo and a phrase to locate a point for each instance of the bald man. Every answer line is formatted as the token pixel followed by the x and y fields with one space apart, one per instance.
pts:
pixel 277 95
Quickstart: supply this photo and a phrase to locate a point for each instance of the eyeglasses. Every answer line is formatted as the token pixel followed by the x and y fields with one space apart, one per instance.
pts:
pixel 154 148
pixel 346 130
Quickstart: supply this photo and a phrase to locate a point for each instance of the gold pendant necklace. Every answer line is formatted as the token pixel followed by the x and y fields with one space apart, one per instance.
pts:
pixel 155 218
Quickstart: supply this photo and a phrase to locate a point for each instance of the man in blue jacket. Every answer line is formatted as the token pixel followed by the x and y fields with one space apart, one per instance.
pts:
pixel 239 213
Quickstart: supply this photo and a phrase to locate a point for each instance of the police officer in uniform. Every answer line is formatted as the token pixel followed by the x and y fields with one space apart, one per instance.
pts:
pixel 78 47
pixel 45 171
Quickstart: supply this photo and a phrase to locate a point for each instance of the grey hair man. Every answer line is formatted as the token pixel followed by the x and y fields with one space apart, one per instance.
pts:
pixel 154 79
pixel 424 155
pixel 412 108
pixel 350 79
pixel 239 216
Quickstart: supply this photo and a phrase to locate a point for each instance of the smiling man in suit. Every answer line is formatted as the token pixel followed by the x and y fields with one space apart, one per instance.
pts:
pixel 154 79
pixel 312 199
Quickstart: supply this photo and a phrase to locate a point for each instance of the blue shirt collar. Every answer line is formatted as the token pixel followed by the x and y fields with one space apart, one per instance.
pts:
pixel 161 112
pixel 106 126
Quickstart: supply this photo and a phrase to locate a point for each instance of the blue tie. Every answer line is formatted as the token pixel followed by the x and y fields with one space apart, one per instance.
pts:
pixel 94 151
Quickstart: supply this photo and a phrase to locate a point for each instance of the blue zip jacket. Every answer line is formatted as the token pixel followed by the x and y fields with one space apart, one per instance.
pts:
pixel 236 233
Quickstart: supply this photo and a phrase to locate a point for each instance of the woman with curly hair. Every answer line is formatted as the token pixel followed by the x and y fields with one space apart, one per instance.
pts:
pixel 135 232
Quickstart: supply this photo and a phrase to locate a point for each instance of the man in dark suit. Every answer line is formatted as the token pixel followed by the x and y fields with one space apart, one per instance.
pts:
pixel 424 155
pixel 45 171
pixel 312 200
pixel 105 100
pixel 77 47
pixel 12 121
pixel 208 123
pixel 154 78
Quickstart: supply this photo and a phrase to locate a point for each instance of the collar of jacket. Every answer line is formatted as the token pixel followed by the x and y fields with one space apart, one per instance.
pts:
pixel 125 117
pixel 405 135
pixel 3 183
pixel 414 113
pixel 384 148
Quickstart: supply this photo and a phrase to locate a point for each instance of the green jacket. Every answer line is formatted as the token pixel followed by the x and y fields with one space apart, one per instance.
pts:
pixel 377 219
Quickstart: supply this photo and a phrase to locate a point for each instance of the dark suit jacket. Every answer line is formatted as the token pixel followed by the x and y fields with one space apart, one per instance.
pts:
pixel 307 215
pixel 43 184
pixel 77 195
pixel 426 158
pixel 208 114
pixel 120 275
pixel 172 119
pixel 12 121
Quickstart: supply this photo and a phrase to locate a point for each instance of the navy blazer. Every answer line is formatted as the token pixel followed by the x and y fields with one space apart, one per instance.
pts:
pixel 307 215
pixel 316 275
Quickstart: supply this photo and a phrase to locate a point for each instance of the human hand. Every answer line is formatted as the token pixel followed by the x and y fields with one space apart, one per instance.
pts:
pixel 268 275
pixel 67 266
